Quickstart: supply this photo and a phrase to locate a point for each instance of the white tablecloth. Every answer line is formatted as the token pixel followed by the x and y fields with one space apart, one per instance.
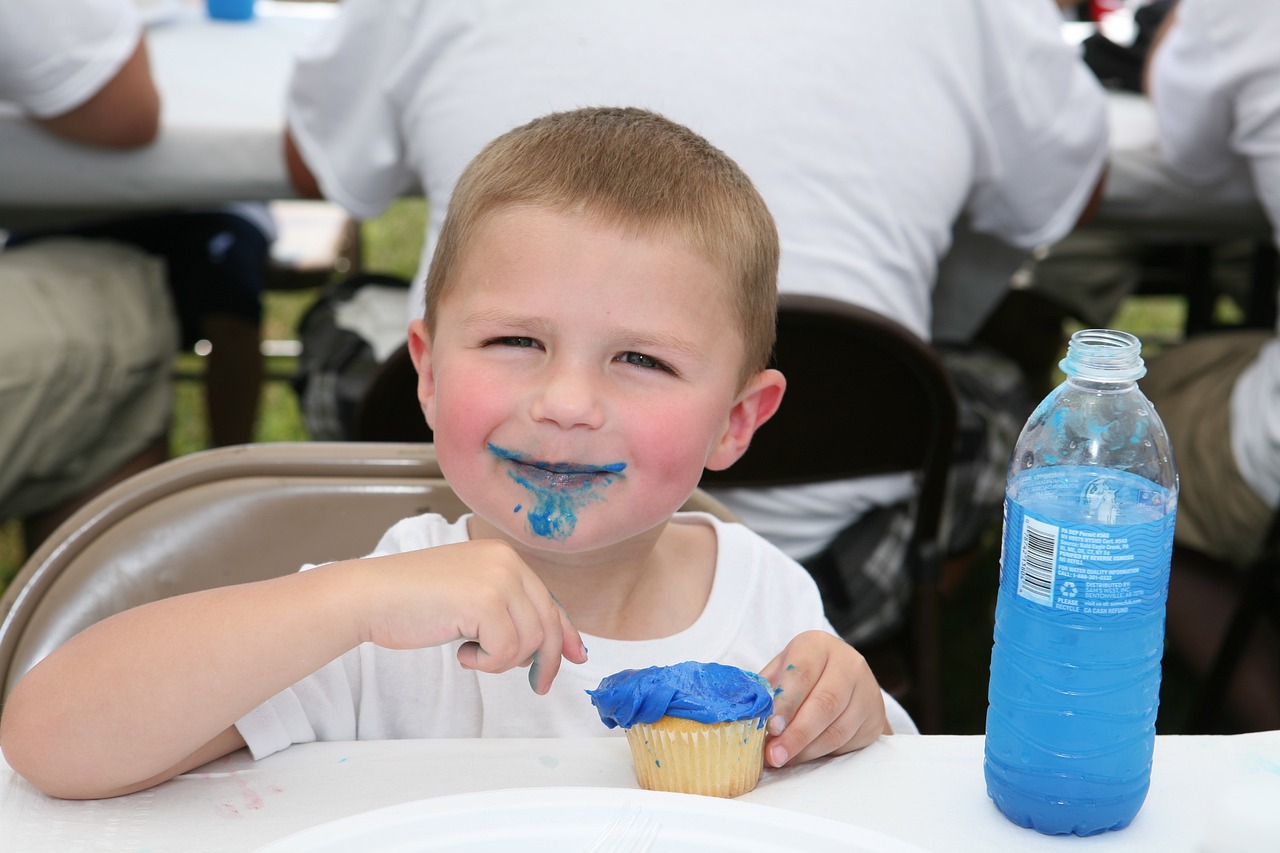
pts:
pixel 1144 198
pixel 222 86
pixel 927 791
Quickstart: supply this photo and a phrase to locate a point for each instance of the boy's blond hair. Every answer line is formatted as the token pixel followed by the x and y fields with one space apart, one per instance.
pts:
pixel 633 169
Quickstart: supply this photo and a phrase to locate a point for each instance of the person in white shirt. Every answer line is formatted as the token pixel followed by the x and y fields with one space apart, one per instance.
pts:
pixel 1214 82
pixel 87 335
pixel 869 127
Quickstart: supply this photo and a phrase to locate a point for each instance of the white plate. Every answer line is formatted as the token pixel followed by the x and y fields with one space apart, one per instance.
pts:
pixel 571 819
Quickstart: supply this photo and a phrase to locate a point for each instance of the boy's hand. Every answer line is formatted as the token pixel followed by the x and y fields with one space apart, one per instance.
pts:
pixel 827 700
pixel 480 592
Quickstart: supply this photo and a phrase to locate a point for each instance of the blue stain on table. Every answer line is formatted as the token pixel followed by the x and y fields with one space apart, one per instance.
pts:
pixel 559 489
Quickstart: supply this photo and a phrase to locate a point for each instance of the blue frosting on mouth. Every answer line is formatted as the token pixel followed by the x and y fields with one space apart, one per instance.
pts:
pixel 559 489
pixel 705 692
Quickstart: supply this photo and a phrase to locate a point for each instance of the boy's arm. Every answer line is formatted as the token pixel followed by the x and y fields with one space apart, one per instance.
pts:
pixel 155 691
pixel 827 700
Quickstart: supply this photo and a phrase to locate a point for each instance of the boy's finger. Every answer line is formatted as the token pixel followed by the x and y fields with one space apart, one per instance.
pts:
pixel 496 646
pixel 803 718
pixel 562 642
pixel 770 670
pixel 792 680
pixel 545 664
pixel 574 647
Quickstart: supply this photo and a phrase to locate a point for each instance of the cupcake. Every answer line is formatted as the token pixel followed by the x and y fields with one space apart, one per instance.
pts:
pixel 693 728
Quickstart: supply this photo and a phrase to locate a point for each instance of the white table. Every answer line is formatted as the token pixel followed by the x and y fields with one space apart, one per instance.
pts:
pixel 927 791
pixel 1145 199
pixel 222 86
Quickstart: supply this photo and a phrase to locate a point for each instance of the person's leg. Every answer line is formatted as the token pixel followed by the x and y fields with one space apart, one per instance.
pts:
pixel 39 525
pixel 217 269
pixel 992 405
pixel 1190 386
pixel 1221 523
pixel 89 337
pixel 233 378
pixel 1201 605
pixel 216 263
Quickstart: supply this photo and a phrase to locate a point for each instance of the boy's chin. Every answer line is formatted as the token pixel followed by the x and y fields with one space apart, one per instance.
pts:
pixel 586 536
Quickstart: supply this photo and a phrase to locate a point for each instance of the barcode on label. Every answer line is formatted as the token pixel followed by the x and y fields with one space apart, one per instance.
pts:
pixel 1038 562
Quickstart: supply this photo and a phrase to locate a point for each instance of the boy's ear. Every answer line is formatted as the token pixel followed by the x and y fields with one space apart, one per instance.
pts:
pixel 420 353
pixel 755 404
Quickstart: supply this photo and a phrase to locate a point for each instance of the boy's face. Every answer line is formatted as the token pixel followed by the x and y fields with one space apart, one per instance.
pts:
pixel 579 380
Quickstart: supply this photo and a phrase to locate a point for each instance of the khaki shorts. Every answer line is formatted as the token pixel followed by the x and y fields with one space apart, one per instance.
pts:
pixel 1190 386
pixel 87 341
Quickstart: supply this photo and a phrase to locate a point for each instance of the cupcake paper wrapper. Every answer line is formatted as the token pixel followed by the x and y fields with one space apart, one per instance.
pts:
pixel 718 760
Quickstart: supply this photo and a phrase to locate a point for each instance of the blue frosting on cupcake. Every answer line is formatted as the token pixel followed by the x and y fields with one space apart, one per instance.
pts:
pixel 705 692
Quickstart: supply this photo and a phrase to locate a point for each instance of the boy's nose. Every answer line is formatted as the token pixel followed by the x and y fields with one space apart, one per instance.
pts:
pixel 569 397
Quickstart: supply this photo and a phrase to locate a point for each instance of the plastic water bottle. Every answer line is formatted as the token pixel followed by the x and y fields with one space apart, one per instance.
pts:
pixel 1084 573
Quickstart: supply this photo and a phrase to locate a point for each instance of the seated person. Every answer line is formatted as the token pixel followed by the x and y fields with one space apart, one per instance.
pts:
pixel 1213 78
pixel 87 335
pixel 601 313
pixel 1005 125
pixel 215 262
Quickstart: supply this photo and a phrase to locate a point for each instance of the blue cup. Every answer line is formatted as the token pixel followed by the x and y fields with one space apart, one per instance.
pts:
pixel 231 10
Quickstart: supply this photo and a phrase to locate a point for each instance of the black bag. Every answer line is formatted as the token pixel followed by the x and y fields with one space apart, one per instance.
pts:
pixel 337 364
pixel 1120 67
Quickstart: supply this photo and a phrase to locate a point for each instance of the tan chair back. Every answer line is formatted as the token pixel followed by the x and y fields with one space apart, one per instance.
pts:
pixel 219 517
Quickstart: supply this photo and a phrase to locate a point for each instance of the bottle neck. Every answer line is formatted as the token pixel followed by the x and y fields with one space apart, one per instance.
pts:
pixel 1103 359
pixel 1101 386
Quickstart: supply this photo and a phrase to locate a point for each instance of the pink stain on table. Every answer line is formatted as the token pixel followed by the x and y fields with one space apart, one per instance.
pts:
pixel 250 800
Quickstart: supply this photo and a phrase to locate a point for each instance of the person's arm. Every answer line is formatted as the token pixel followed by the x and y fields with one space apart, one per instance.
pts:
pixel 1095 200
pixel 300 174
pixel 828 701
pixel 1156 41
pixel 154 691
pixel 124 113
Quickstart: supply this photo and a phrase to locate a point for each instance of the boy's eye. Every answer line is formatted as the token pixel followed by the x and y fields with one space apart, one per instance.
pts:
pixel 648 362
pixel 512 341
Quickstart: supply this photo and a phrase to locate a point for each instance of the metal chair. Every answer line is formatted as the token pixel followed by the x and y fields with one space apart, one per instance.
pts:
pixel 224 516
pixel 874 397
pixel 864 396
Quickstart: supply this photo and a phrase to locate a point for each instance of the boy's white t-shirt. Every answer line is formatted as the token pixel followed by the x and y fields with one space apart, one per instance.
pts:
pixel 759 601
pixel 1215 83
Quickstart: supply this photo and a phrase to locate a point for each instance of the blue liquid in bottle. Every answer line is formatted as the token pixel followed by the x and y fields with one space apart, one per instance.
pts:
pixel 1075 666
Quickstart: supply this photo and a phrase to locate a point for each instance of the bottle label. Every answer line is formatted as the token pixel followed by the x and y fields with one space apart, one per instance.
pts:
pixel 1083 543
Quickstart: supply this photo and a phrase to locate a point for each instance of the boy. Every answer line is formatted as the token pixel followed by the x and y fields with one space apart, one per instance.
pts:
pixel 600 314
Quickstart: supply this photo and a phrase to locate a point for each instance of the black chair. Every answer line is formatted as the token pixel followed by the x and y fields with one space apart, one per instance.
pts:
pixel 389 409
pixel 864 396
pixel 867 393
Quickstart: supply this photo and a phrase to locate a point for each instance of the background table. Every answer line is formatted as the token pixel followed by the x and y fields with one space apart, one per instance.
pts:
pixel 1144 198
pixel 222 87
pixel 928 791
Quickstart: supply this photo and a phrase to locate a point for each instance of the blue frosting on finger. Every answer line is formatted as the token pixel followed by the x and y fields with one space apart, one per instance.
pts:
pixel 705 692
